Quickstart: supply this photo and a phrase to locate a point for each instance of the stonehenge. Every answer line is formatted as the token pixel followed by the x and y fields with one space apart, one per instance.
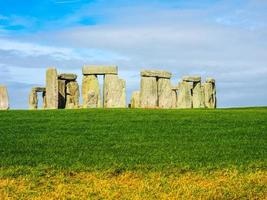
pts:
pixel 4 101
pixel 61 91
pixel 114 88
pixel 156 91
pixel 33 97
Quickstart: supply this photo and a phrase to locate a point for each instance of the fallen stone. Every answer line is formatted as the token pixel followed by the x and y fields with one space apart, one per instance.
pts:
pixel 191 78
pixel 114 92
pixel 4 102
pixel 148 92
pixel 164 93
pixel 33 100
pixel 51 88
pixel 91 92
pixel 135 100
pixel 72 95
pixel 68 77
pixel 185 95
pixel 100 70
pixel 156 73
pixel 61 94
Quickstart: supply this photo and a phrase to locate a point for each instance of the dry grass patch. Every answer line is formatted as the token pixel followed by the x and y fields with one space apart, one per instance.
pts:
pixel 221 184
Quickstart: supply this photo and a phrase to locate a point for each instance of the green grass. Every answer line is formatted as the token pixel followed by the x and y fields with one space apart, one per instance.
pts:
pixel 100 139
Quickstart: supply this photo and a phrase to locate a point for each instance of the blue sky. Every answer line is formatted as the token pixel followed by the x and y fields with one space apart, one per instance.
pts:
pixel 225 39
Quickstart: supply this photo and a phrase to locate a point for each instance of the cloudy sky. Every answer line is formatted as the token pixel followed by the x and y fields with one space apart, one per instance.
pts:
pixel 224 39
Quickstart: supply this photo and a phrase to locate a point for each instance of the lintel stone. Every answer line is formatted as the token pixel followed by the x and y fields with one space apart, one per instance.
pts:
pixel 175 87
pixel 69 77
pixel 99 70
pixel 192 78
pixel 156 73
pixel 39 89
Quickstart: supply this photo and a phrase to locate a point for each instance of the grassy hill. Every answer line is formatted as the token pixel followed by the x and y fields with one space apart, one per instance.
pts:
pixel 119 142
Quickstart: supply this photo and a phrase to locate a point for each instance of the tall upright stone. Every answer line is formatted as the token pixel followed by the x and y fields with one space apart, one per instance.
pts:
pixel 210 93
pixel 72 95
pixel 4 102
pixel 44 100
pixel 135 100
pixel 61 93
pixel 122 94
pixel 33 99
pixel 51 88
pixel 174 99
pixel 197 95
pixel 164 93
pixel 114 92
pixel 91 92
pixel 148 92
pixel 185 95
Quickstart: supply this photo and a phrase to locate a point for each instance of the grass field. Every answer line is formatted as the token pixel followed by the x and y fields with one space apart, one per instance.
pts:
pixel 134 154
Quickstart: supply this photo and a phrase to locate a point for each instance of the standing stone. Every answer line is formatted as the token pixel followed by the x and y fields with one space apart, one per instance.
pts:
pixel 174 99
pixel 61 93
pixel 91 92
pixel 114 92
pixel 210 93
pixel 72 95
pixel 164 93
pixel 197 95
pixel 148 92
pixel 4 104
pixel 122 93
pixel 51 88
pixel 185 95
pixel 44 100
pixel 135 100
pixel 203 96
pixel 33 100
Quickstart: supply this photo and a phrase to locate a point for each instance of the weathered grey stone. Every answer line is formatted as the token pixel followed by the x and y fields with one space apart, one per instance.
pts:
pixel 122 94
pixel 185 95
pixel 156 73
pixel 39 89
pixel 44 100
pixel 61 93
pixel 197 95
pixel 100 70
pixel 135 100
pixel 175 87
pixel 164 93
pixel 33 100
pixel 68 77
pixel 4 102
pixel 174 98
pixel 72 95
pixel 191 78
pixel 210 94
pixel 148 92
pixel 114 92
pixel 210 80
pixel 91 92
pixel 51 88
